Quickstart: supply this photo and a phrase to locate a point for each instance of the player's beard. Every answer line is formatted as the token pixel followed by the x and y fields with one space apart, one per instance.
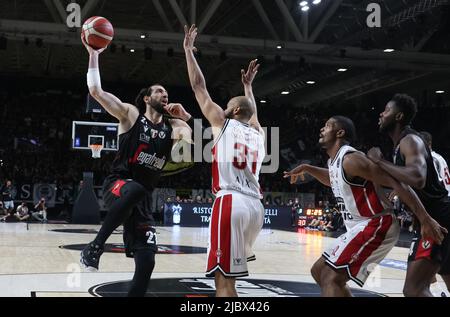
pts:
pixel 386 126
pixel 158 107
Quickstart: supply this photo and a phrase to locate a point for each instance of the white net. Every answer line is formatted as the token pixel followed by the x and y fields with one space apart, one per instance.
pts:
pixel 96 150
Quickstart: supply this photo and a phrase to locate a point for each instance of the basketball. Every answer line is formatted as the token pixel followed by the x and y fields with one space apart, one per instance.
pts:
pixel 98 32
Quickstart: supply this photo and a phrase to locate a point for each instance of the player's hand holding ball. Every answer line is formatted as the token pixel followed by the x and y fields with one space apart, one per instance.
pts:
pixel 96 34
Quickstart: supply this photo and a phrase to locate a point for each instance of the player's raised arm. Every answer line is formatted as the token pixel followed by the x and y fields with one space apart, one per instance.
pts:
pixel 113 105
pixel 212 111
pixel 247 80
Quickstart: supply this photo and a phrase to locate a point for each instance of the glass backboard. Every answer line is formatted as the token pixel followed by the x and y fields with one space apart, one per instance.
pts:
pixel 85 133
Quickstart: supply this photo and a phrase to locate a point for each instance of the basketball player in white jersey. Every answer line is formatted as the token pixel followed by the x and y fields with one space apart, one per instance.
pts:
pixel 439 162
pixel 238 152
pixel 372 229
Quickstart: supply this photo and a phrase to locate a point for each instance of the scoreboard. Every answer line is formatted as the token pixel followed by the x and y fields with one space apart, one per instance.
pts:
pixel 306 215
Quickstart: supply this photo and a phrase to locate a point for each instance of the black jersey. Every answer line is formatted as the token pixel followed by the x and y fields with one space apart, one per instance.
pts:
pixel 143 152
pixel 434 195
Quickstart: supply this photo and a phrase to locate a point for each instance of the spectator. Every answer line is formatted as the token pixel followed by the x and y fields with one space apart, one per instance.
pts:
pixel 210 200
pixel 406 220
pixel 8 193
pixel 314 224
pixel 3 212
pixel 295 208
pixel 40 213
pixel 22 212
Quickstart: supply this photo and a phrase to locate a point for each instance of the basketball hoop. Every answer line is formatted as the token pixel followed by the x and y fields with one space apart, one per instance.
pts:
pixel 96 150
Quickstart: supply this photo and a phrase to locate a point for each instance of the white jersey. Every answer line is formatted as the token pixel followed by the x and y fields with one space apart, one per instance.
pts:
pixel 238 154
pixel 442 169
pixel 357 202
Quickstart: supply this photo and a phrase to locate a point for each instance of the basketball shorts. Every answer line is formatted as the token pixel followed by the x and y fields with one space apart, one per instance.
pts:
pixel 138 231
pixel 363 246
pixel 236 221
pixel 427 249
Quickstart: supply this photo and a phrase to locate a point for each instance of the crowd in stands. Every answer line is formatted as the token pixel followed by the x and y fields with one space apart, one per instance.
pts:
pixel 36 128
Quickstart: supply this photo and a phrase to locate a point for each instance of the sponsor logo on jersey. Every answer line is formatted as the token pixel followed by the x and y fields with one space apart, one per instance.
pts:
pixel 162 134
pixel 355 257
pixel 151 160
pixel 144 138
pixel 218 253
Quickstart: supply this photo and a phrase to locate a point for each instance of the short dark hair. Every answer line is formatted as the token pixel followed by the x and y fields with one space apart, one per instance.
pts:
pixel 407 105
pixel 347 125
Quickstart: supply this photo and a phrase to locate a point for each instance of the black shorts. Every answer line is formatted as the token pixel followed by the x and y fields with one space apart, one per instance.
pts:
pixel 425 249
pixel 138 230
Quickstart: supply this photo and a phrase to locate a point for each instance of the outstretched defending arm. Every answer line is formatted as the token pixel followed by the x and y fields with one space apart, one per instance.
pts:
pixel 319 173
pixel 212 111
pixel 113 105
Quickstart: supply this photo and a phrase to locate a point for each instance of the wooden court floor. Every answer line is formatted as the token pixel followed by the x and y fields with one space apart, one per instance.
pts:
pixel 33 261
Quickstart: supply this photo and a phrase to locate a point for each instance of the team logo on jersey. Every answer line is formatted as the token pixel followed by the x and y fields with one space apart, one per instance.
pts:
pixel 355 257
pixel 218 253
pixel 426 244
pixel 162 134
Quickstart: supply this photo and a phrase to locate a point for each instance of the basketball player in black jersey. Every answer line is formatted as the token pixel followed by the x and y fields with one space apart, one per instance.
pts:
pixel 146 139
pixel 413 165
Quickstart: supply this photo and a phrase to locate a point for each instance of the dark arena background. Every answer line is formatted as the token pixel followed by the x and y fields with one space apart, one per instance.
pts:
pixel 317 59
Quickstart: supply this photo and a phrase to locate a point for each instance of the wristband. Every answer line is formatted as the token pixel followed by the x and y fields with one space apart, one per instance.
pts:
pixel 93 78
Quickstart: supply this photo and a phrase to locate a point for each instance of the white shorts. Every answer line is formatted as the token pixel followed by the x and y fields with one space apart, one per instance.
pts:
pixel 236 221
pixel 364 244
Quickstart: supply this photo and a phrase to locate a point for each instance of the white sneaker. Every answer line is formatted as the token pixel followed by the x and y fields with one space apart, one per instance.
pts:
pixel 438 291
